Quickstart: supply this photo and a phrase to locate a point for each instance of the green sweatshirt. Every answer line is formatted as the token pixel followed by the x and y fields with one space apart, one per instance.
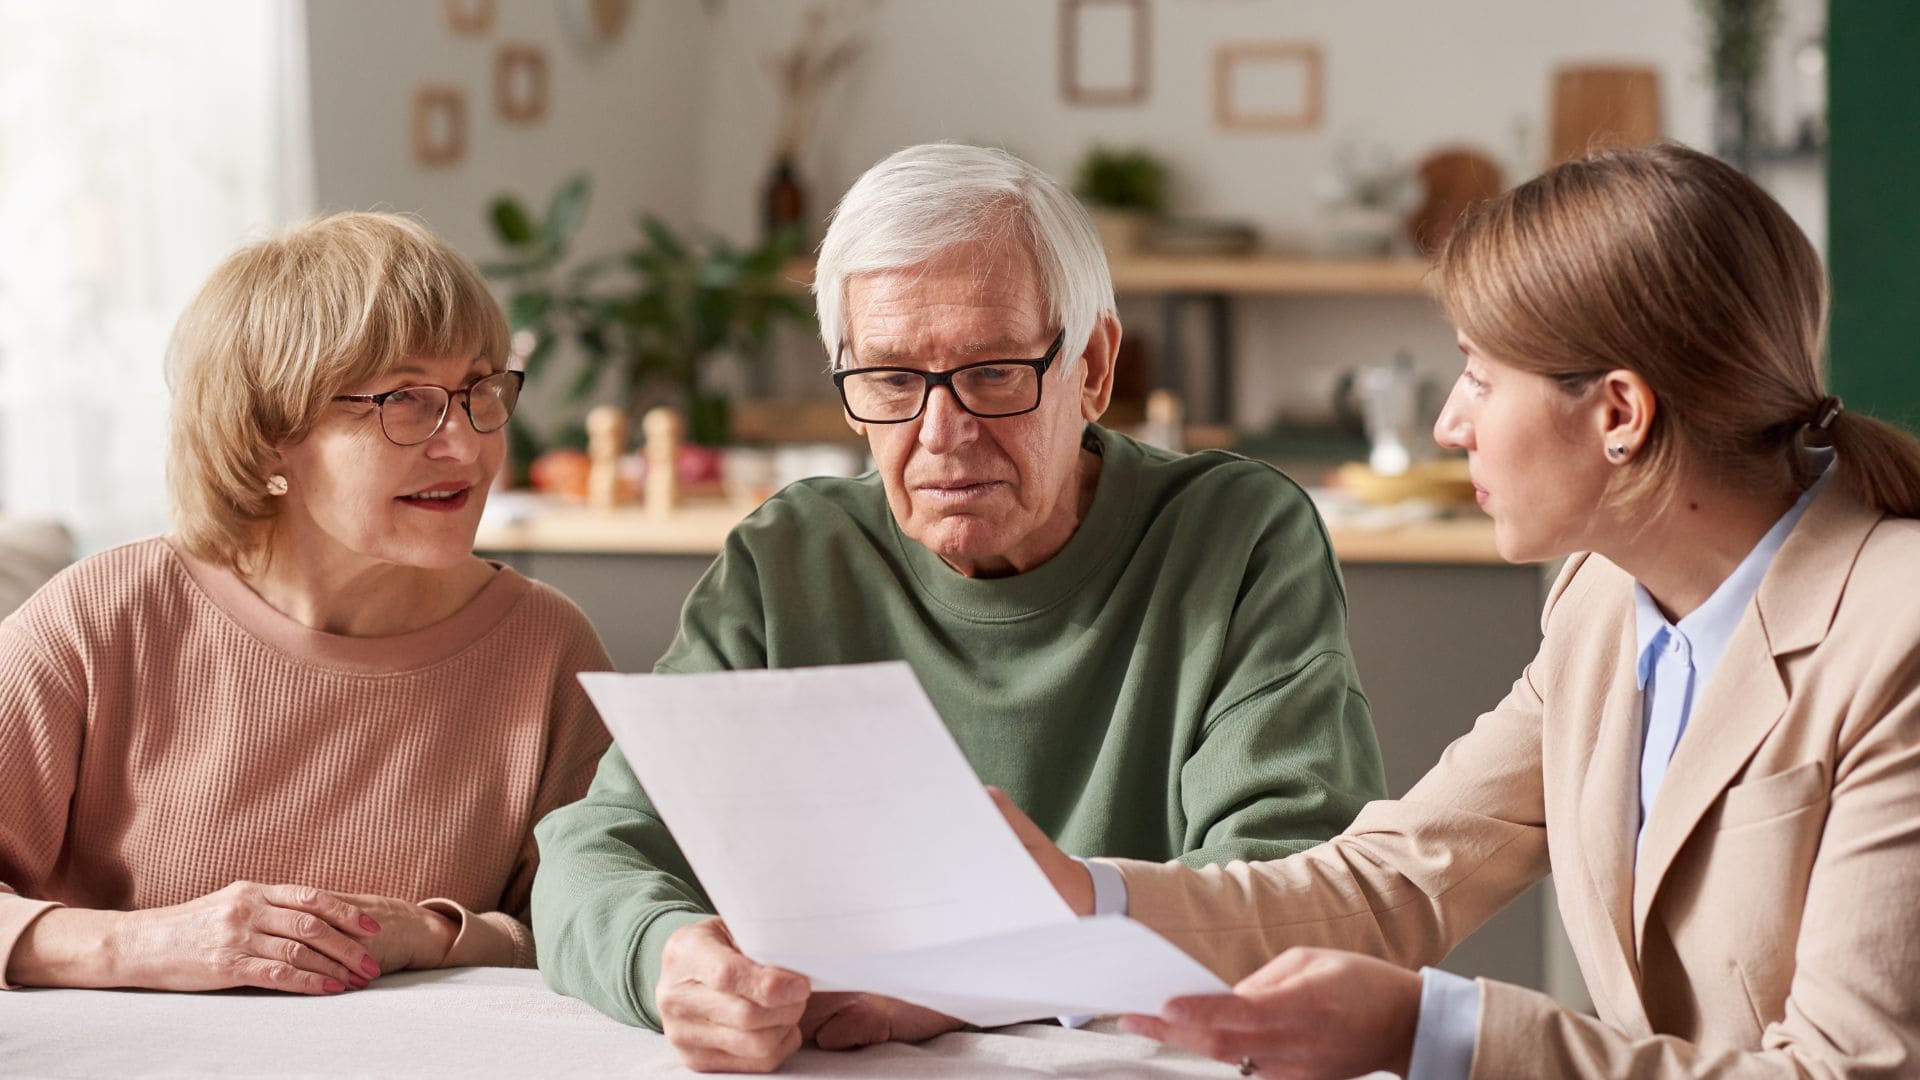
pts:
pixel 1174 684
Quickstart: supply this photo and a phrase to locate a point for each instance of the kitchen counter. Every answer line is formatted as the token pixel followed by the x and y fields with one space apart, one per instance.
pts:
pixel 700 527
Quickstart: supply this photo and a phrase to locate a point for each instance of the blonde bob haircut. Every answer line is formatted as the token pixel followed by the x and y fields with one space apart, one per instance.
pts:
pixel 281 327
pixel 1667 262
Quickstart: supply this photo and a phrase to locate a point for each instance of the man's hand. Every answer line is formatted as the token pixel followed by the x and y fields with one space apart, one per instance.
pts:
pixel 1308 1013
pixel 1069 877
pixel 721 1011
pixel 849 1021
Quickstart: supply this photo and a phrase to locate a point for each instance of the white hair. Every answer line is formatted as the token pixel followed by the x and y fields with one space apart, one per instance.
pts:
pixel 925 200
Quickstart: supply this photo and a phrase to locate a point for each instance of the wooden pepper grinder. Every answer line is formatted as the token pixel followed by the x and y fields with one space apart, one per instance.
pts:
pixel 662 428
pixel 606 441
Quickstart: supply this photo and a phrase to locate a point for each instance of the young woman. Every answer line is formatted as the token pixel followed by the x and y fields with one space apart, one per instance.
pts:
pixel 304 739
pixel 1716 752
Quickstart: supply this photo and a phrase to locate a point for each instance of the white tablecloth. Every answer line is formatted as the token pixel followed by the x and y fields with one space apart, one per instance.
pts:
pixel 477 1022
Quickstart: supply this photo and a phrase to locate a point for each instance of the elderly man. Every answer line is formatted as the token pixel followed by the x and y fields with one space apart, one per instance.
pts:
pixel 1146 651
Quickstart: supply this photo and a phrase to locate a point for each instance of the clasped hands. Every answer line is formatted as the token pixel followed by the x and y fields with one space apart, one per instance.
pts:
pixel 293 938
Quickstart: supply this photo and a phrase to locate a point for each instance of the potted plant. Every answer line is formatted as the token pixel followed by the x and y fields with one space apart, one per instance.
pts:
pixel 1739 33
pixel 1125 191
pixel 652 317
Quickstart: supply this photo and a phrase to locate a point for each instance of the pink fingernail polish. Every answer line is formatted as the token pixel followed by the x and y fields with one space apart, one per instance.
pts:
pixel 334 986
pixel 356 981
pixel 367 965
pixel 371 926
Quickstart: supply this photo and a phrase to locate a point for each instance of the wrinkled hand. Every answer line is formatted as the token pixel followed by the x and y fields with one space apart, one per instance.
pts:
pixel 276 937
pixel 1309 1013
pixel 721 1011
pixel 841 1021
pixel 411 937
pixel 1069 877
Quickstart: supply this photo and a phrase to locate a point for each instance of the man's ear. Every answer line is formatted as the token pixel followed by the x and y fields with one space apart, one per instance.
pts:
pixel 1103 346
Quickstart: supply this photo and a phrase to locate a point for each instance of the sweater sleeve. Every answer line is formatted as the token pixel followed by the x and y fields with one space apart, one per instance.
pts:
pixel 1286 755
pixel 42 724
pixel 613 885
pixel 576 741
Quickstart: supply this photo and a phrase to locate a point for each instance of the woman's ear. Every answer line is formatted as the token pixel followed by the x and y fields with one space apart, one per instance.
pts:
pixel 1623 412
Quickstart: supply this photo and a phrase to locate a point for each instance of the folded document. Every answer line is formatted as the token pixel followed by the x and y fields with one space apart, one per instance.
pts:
pixel 841 834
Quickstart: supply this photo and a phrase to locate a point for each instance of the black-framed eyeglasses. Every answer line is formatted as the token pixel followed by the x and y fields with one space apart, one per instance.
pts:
pixel 989 389
pixel 411 415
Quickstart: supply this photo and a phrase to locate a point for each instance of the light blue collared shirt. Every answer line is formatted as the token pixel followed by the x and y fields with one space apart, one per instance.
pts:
pixel 1675 663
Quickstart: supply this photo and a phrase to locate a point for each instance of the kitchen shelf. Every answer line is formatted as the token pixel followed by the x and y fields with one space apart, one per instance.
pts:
pixel 1243 275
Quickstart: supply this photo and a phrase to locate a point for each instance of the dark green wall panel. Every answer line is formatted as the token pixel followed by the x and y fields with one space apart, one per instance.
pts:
pixel 1874 205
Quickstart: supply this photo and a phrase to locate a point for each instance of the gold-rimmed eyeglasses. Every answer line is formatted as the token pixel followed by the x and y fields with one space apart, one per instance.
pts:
pixel 410 415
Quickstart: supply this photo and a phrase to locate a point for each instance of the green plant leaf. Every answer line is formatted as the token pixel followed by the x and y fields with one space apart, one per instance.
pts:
pixel 510 222
pixel 585 381
pixel 523 445
pixel 571 437
pixel 543 346
pixel 528 308
pixel 663 239
pixel 566 211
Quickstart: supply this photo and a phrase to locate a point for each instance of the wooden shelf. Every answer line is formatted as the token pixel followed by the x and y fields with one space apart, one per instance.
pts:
pixel 1269 275
pixel 1243 275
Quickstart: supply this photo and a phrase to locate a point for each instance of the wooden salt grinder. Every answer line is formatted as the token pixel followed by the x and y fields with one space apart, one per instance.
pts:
pixel 606 441
pixel 662 428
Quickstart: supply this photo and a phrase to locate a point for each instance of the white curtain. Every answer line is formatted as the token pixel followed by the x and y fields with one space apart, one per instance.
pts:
pixel 139 142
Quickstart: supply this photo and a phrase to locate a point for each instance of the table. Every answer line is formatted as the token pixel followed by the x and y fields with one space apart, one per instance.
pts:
pixel 480 1022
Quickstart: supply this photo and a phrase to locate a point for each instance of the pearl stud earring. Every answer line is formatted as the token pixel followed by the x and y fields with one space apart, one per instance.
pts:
pixel 276 484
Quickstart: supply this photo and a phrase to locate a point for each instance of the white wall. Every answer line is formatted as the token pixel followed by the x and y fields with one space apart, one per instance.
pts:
pixel 629 115
pixel 678 118
pixel 1409 76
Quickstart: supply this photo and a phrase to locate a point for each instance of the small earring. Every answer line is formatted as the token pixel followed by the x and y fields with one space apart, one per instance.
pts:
pixel 1616 452
pixel 276 484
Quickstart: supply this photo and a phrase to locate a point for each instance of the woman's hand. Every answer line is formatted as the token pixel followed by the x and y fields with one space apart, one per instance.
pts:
pixel 1307 1013
pixel 276 937
pixel 411 937
pixel 1068 875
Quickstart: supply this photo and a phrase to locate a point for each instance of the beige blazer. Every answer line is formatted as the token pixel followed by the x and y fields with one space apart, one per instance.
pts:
pixel 1772 924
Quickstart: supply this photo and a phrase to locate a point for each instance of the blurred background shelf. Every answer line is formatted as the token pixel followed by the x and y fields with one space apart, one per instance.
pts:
pixel 1242 275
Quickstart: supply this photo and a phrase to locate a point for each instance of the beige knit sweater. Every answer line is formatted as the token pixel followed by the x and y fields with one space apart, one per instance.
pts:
pixel 164 732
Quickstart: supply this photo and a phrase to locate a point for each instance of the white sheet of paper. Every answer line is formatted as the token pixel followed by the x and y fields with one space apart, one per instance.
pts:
pixel 841 833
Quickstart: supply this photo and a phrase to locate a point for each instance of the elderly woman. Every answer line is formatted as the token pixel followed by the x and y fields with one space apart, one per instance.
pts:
pixel 302 740
pixel 1716 752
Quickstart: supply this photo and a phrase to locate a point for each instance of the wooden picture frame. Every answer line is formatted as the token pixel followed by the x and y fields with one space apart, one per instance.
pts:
pixel 1230 115
pixel 520 83
pixel 1074 85
pixel 439 126
pixel 469 17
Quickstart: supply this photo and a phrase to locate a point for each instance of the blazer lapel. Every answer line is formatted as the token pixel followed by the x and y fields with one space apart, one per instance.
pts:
pixel 1739 707
pixel 1791 613
pixel 1609 815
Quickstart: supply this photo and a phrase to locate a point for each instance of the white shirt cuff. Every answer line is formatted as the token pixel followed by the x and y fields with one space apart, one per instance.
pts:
pixel 1109 898
pixel 1109 888
pixel 1449 1021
